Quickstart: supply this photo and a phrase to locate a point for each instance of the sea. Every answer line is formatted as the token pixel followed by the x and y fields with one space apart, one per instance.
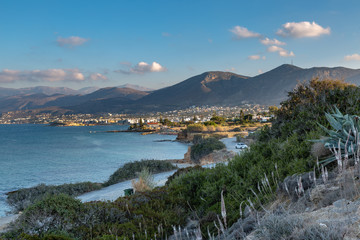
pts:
pixel 31 154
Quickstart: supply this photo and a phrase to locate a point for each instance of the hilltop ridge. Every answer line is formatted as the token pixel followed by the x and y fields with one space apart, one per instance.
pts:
pixel 208 88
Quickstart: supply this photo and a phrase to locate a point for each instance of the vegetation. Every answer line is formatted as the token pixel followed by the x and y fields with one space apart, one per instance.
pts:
pixel 344 138
pixel 23 198
pixel 202 194
pixel 130 170
pixel 196 127
pixel 306 106
pixel 145 182
pixel 204 147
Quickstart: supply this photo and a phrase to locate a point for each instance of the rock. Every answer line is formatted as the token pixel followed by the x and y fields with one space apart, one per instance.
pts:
pixel 217 156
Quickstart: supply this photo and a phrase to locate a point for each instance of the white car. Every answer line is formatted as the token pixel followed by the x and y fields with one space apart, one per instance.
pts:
pixel 241 146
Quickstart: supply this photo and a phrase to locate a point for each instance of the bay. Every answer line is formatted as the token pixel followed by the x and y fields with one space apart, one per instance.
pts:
pixel 33 154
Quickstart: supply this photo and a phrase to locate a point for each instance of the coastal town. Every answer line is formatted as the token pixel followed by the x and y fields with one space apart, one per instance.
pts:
pixel 194 113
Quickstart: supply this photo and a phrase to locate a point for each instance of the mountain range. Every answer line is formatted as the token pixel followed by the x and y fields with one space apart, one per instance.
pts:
pixel 209 88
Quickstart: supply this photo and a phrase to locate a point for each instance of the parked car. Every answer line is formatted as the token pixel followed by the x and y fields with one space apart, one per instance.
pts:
pixel 241 146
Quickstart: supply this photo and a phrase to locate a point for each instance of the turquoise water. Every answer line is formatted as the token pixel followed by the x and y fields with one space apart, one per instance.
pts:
pixel 34 154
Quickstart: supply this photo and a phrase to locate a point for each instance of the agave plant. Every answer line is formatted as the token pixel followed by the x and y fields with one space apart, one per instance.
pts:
pixel 344 139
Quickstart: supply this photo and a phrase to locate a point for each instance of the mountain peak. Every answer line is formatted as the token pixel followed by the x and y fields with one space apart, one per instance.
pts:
pixel 219 75
pixel 288 67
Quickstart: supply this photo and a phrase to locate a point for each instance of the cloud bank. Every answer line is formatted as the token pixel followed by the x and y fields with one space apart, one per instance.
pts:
pixel 282 52
pixel 72 41
pixel 242 32
pixel 142 68
pixel 353 57
pixel 48 75
pixel 268 41
pixel 302 30
pixel 256 57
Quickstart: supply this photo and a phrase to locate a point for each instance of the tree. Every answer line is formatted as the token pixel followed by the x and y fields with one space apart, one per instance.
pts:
pixel 306 105
pixel 248 117
pixel 141 122
pixel 218 119
pixel 242 115
pixel 273 110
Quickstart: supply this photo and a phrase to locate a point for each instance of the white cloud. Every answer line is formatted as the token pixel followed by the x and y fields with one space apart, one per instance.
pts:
pixel 256 57
pixel 47 75
pixel 143 67
pixel 72 41
pixel 353 57
pixel 97 77
pixel 242 32
pixel 302 29
pixel 268 41
pixel 282 52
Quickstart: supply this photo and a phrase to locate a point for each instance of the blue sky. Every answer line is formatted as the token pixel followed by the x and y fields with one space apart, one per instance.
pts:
pixel 159 43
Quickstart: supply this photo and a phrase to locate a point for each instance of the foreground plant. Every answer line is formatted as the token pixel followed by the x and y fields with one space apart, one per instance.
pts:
pixel 343 139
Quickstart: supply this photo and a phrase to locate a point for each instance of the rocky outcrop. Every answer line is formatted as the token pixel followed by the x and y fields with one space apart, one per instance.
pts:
pixel 216 156
pixel 327 208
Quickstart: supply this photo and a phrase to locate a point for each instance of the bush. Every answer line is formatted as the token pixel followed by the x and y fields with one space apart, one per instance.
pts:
pixel 204 147
pixel 145 182
pixel 210 123
pixel 306 106
pixel 130 170
pixel 53 213
pixel 23 198
pixel 196 127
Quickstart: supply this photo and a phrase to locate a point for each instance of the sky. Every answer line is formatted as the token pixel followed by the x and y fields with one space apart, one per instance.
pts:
pixel 156 44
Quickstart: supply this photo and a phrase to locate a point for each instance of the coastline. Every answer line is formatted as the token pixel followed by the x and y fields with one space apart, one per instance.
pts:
pixel 115 191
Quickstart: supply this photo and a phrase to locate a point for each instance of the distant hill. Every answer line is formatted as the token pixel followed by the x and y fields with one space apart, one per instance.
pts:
pixel 40 100
pixel 209 88
pixel 272 87
pixel 87 90
pixel 218 88
pixel 136 87
pixel 206 88
pixel 5 92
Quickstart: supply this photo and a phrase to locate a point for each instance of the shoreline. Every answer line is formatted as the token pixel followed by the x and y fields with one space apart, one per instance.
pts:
pixel 112 192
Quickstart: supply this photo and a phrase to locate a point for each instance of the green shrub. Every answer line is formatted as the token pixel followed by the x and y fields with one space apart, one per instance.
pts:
pixel 210 123
pixel 23 198
pixel 130 170
pixel 204 147
pixel 53 213
pixel 196 127
pixel 344 136
pixel 306 106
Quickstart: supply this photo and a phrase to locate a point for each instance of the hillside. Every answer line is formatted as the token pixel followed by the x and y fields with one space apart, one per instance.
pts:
pixel 217 88
pixel 207 88
pixel 6 92
pixel 272 86
pixel 40 100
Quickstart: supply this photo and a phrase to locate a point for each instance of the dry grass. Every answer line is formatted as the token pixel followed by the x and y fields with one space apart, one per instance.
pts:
pixel 145 182
pixel 140 185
